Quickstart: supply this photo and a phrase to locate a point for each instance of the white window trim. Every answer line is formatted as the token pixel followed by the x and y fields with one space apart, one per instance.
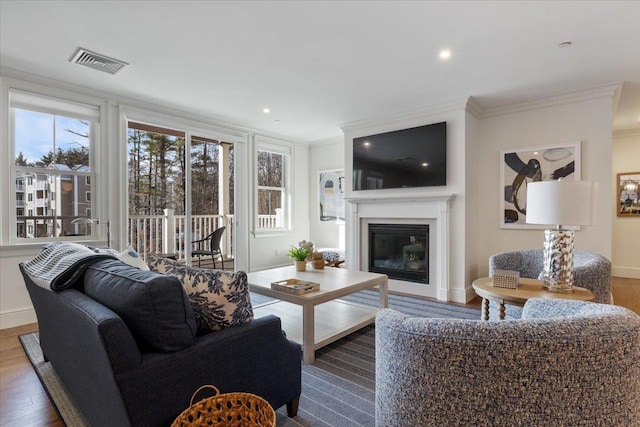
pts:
pixel 264 143
pixel 8 239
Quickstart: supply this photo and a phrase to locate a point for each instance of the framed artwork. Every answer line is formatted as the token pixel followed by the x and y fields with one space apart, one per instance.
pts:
pixel 331 195
pixel 519 166
pixel 627 200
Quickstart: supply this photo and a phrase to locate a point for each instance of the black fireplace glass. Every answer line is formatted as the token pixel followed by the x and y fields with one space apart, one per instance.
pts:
pixel 401 251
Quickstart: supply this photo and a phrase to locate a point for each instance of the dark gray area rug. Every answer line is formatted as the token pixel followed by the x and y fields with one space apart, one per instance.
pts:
pixel 337 391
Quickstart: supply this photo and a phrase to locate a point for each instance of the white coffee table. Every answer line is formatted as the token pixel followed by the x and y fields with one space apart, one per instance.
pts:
pixel 323 318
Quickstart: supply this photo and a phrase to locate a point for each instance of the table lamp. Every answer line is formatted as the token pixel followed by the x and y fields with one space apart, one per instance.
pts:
pixel 96 221
pixel 560 203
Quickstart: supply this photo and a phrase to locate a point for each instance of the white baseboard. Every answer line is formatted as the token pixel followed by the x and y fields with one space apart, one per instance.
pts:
pixel 412 288
pixel 628 272
pixel 15 318
pixel 469 295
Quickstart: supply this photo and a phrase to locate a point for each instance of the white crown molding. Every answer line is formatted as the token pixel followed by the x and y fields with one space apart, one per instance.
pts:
pixel 327 141
pixel 400 116
pixel 626 132
pixel 604 91
pixel 474 107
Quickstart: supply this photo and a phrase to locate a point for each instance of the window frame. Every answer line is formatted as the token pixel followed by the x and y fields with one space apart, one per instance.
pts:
pixel 263 143
pixel 52 101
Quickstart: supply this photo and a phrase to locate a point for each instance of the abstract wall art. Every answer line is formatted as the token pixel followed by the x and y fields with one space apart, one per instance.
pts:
pixel 520 166
pixel 331 195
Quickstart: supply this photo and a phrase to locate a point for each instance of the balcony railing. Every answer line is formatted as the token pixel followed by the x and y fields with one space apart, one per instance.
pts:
pixel 167 233
pixel 164 234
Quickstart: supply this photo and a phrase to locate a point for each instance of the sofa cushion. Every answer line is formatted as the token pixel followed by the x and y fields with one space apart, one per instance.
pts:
pixel 154 306
pixel 219 298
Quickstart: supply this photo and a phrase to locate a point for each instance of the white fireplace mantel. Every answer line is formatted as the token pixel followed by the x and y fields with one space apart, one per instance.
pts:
pixel 432 209
pixel 400 199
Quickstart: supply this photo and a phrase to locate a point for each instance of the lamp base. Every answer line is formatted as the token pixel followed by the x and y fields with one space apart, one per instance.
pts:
pixel 558 260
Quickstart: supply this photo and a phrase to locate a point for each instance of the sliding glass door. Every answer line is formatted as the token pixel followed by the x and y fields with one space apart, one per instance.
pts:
pixel 180 190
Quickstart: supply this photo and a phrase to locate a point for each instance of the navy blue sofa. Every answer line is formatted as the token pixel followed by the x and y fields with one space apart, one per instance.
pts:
pixel 117 380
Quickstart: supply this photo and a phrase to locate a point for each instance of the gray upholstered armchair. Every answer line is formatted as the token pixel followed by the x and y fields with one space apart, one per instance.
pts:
pixel 591 271
pixel 565 363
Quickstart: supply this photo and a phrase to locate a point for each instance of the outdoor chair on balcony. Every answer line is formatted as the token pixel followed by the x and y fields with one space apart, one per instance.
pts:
pixel 209 246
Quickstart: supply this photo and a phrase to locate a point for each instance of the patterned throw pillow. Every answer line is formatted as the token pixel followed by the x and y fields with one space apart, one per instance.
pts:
pixel 219 298
pixel 131 257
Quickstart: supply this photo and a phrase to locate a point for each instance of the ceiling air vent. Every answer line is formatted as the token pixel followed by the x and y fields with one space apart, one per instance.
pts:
pixel 97 61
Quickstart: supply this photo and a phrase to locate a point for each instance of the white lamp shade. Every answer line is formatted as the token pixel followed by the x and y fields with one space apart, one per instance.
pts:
pixel 560 202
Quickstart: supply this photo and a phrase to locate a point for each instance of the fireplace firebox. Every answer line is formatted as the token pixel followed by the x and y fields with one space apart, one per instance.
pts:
pixel 401 251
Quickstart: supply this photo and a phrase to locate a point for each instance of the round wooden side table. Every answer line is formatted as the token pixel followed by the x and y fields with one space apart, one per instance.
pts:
pixel 528 288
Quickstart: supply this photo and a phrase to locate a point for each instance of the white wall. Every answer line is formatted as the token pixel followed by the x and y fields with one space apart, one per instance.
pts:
pixel 325 155
pixel 473 169
pixel 588 118
pixel 626 231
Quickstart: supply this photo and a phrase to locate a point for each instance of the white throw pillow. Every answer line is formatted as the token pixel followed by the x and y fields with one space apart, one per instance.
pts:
pixel 131 257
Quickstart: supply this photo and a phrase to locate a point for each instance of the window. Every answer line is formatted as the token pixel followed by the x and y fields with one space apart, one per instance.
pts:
pixel 88 196
pixel 272 183
pixel 52 142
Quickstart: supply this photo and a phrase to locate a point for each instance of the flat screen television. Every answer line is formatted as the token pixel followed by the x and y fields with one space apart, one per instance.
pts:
pixel 415 157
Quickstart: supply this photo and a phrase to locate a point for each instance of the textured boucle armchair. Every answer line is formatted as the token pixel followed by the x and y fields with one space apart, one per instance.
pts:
pixel 591 271
pixel 565 363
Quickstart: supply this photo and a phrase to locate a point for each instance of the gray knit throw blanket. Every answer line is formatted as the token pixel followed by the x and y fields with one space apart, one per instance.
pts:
pixel 60 264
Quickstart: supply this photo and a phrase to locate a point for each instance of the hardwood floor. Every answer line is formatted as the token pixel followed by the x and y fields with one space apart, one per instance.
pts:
pixel 24 402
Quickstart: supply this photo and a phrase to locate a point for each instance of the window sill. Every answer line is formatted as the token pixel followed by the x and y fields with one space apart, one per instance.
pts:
pixel 31 248
pixel 271 233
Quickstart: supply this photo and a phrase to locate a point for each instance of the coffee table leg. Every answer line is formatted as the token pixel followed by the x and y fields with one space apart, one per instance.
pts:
pixel 485 309
pixel 383 288
pixel 308 329
pixel 501 312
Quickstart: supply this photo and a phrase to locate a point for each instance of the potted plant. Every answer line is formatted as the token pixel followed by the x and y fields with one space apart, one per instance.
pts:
pixel 299 255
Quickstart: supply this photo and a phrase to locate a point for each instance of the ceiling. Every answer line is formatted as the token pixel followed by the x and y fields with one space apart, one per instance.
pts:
pixel 321 64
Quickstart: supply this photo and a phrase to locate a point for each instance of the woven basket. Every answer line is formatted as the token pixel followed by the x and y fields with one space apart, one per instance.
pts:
pixel 227 409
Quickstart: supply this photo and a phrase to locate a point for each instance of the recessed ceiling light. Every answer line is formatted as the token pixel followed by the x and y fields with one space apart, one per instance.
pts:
pixel 266 110
pixel 564 44
pixel 425 164
pixel 445 54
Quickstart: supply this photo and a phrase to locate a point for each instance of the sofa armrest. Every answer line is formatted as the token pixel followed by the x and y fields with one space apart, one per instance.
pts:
pixel 97 326
pixel 86 344
pixel 254 357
